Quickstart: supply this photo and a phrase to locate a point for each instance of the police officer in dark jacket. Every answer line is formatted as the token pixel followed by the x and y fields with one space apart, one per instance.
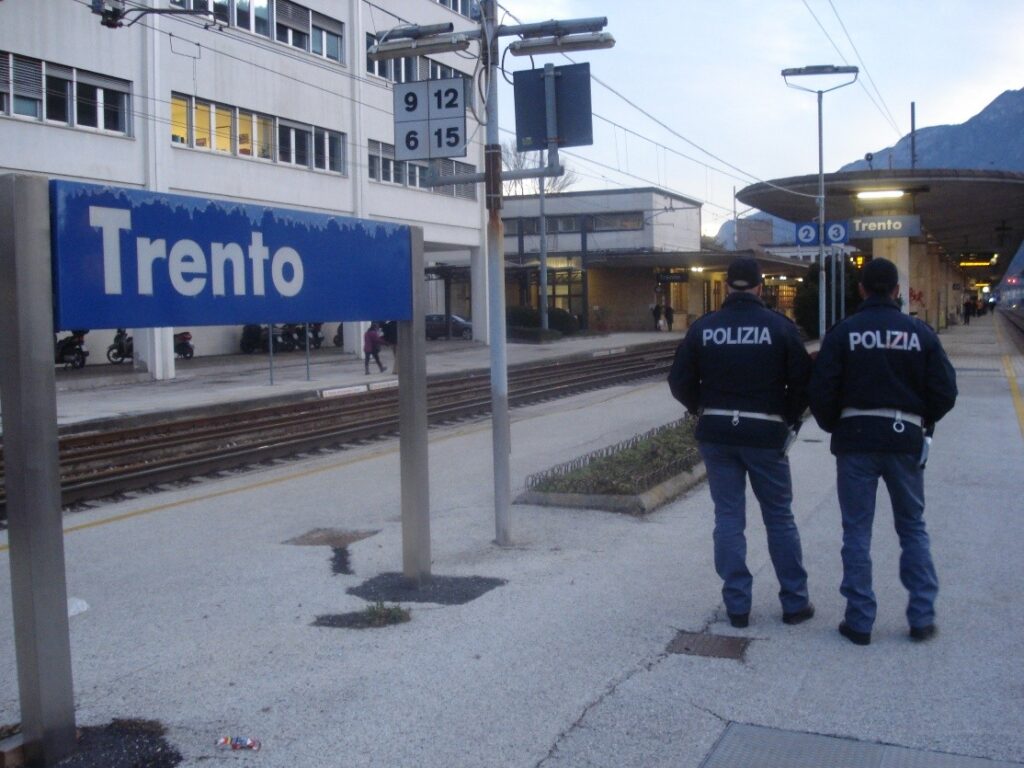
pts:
pixel 880 383
pixel 744 371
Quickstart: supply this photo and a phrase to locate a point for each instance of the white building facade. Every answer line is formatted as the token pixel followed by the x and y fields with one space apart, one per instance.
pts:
pixel 268 102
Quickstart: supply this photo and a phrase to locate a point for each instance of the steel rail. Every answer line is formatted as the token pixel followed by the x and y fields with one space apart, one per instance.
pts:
pixel 104 463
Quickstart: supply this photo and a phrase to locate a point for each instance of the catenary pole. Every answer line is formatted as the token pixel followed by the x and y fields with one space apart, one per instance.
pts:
pixel 501 432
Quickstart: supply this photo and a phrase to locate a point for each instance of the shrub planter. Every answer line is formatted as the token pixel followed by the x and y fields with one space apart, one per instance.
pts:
pixel 632 477
pixel 638 504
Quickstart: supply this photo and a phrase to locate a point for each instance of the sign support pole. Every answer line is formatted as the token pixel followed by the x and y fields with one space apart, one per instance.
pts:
pixel 411 357
pixel 27 386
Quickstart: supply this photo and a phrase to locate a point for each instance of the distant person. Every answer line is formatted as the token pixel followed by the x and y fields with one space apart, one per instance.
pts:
pixel 744 371
pixel 389 332
pixel 968 310
pixel 880 382
pixel 670 315
pixel 656 311
pixel 371 348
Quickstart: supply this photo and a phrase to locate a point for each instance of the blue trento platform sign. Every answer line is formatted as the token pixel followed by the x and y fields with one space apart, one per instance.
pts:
pixel 131 258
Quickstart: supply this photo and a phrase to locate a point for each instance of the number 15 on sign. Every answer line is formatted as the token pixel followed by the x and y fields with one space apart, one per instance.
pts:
pixel 430 119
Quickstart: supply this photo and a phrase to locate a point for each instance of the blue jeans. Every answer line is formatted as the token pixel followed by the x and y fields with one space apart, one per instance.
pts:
pixel 857 476
pixel 728 466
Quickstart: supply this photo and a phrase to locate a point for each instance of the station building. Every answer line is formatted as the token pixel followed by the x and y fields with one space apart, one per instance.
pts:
pixel 267 102
pixel 613 255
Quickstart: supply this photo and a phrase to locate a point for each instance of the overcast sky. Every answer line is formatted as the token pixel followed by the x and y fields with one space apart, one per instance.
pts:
pixel 709 69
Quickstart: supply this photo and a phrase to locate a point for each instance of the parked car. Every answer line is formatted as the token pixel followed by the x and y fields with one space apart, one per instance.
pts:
pixel 437 327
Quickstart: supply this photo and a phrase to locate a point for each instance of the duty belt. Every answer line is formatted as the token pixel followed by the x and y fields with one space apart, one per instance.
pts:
pixel 898 417
pixel 737 415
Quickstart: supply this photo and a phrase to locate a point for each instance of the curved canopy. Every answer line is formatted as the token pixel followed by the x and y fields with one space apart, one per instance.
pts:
pixel 970 215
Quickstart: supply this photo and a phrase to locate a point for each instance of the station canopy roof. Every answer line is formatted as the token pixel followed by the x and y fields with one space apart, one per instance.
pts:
pixel 970 216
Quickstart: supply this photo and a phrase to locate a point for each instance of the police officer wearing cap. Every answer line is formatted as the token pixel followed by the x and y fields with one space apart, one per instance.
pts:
pixel 744 371
pixel 880 382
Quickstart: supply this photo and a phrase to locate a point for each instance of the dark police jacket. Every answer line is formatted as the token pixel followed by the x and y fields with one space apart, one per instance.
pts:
pixel 744 357
pixel 880 358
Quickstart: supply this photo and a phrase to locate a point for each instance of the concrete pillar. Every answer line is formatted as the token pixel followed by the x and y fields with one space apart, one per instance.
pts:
pixel 478 294
pixel 154 352
pixel 897 250
pixel 694 299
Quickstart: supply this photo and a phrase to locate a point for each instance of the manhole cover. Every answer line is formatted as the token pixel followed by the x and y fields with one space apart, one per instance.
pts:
pixel 330 537
pixel 715 646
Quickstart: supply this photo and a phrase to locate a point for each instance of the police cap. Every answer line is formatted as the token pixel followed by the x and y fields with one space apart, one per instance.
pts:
pixel 744 273
pixel 879 276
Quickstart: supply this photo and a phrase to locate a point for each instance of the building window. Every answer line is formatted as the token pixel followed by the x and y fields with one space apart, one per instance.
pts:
pixel 223 128
pixel 613 222
pixel 459 6
pixel 328 150
pixel 179 118
pixel 28 87
pixel 253 16
pixel 380 68
pixel 255 135
pixel 201 125
pixel 327 38
pixel 58 94
pixel 293 145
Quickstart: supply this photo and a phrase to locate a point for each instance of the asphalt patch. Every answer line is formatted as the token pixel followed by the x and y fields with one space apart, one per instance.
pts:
pixel 122 744
pixel 713 646
pixel 443 590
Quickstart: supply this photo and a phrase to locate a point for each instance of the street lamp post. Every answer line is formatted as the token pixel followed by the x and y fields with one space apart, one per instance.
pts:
pixel 820 69
pixel 555 36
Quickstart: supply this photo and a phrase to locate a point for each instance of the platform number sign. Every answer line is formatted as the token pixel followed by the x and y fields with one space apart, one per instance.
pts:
pixel 430 119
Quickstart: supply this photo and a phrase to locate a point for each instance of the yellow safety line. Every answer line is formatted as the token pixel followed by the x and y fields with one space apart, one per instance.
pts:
pixel 1018 401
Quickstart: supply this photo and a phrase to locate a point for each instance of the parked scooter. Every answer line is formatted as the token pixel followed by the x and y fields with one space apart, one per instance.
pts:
pixel 122 349
pixel 68 351
pixel 296 333
pixel 339 336
pixel 254 339
pixel 183 345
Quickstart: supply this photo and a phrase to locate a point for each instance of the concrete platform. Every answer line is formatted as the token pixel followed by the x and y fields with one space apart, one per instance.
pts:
pixel 200 615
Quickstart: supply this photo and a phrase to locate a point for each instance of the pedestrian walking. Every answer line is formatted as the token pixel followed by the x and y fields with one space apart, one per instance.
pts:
pixel 744 371
pixel 670 315
pixel 880 383
pixel 656 311
pixel 371 348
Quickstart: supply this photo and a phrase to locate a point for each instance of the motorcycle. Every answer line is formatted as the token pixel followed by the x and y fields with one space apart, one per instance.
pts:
pixel 339 337
pixel 254 339
pixel 69 350
pixel 298 333
pixel 122 349
pixel 183 345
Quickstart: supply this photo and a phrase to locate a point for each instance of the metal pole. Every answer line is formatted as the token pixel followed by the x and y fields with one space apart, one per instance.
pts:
pixel 821 225
pixel 307 352
pixel 38 583
pixel 842 284
pixel 412 426
pixel 585 297
pixel 270 349
pixel 543 253
pixel 832 287
pixel 500 427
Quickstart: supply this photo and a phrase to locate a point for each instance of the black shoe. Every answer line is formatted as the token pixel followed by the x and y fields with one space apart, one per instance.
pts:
pixel 799 617
pixel 739 620
pixel 920 634
pixel 855 637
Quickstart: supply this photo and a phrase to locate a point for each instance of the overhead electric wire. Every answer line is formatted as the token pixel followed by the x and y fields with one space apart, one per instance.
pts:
pixel 887 117
pixel 864 66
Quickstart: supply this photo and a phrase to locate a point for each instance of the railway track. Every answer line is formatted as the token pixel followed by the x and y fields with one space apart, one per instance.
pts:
pixel 128 457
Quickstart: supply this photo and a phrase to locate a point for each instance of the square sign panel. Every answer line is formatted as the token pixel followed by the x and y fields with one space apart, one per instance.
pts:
pixel 574 119
pixel 430 119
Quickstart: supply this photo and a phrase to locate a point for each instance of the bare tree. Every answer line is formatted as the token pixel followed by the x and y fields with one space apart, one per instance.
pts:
pixel 514 160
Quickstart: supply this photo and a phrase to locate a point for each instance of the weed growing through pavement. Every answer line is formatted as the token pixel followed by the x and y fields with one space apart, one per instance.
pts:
pixel 380 615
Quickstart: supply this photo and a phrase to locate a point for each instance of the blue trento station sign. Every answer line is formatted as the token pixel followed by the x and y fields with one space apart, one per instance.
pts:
pixel 125 257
